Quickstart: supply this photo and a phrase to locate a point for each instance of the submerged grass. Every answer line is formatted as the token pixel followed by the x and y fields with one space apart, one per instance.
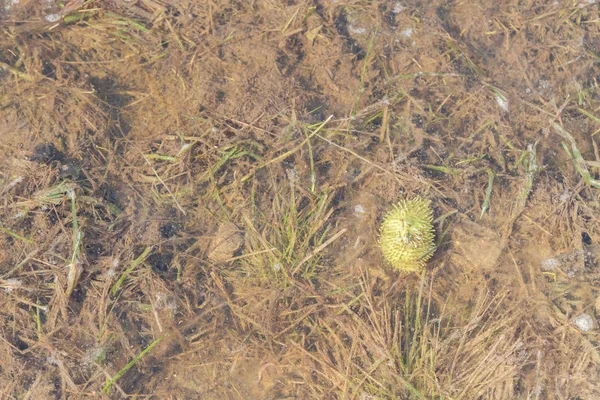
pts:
pixel 74 266
pixel 139 260
pixel 16 235
pixel 302 233
pixel 114 379
pixel 384 348
pixel 134 132
pixel 575 155
pixel 488 193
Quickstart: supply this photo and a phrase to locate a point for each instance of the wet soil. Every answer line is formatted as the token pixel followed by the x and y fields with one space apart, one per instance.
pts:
pixel 190 198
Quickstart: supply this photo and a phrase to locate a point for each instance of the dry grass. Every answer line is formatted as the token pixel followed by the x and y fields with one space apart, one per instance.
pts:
pixel 133 132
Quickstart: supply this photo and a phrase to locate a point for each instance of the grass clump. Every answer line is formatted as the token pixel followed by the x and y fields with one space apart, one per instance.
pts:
pixel 404 344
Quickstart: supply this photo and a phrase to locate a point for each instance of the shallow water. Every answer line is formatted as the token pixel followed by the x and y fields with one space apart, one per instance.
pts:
pixel 192 195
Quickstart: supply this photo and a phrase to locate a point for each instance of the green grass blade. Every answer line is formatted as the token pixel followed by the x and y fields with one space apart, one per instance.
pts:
pixel 106 388
pixel 589 115
pixel 133 265
pixel 576 157
pixel 16 235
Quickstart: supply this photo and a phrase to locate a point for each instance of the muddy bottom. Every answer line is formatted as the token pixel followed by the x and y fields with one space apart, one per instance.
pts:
pixel 191 197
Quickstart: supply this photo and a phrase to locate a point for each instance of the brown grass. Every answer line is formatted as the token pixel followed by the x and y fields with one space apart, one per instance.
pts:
pixel 131 132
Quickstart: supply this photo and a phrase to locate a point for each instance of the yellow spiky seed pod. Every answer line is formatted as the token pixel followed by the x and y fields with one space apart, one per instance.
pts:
pixel 406 235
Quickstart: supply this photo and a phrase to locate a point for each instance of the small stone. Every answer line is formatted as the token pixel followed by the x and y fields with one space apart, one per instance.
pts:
pixel 407 32
pixel 356 30
pixel 359 211
pixel 52 17
pixel 550 264
pixel 397 8
pixel 564 196
pixel 584 322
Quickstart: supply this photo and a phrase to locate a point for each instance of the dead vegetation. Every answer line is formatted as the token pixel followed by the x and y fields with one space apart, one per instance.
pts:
pixel 191 194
